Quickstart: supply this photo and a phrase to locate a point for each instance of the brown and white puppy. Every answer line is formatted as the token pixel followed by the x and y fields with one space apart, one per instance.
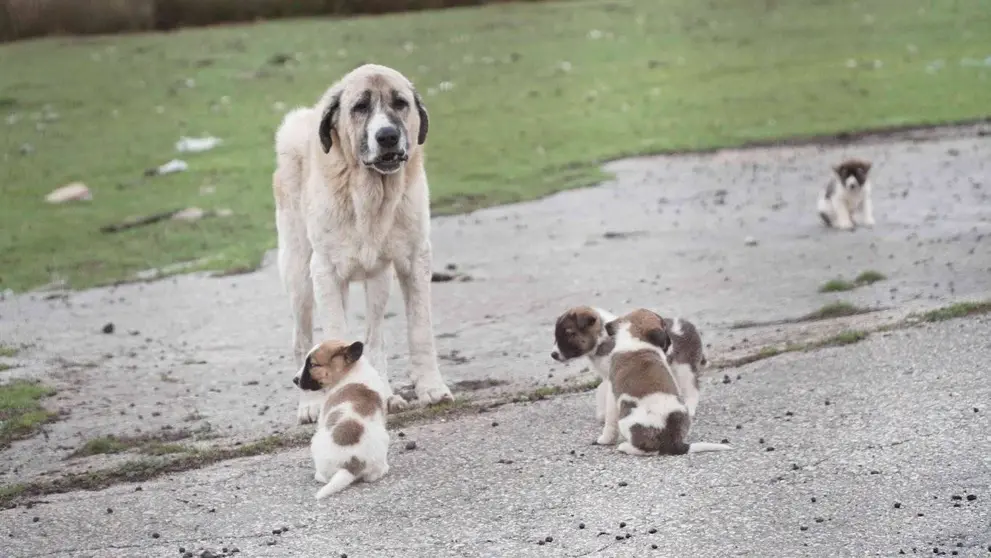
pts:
pixel 352 204
pixel 847 197
pixel 351 442
pixel 580 332
pixel 686 356
pixel 646 406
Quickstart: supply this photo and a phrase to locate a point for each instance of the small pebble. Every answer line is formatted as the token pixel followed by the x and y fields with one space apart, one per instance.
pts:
pixel 410 446
pixel 622 483
pixel 35 519
pixel 549 539
pixel 761 441
pixel 652 531
pixel 541 543
pixel 770 448
pixel 725 441
pixel 813 499
pixel 971 497
pixel 270 542
pixel 726 379
pixel 622 524
pixel 629 536
pixel 108 328
pixel 619 537
pixel 803 528
pixel 110 510
pixel 494 423
pixel 897 505
pixel 581 525
pixel 653 547
pixel 956 497
pixel 739 427
pixel 155 535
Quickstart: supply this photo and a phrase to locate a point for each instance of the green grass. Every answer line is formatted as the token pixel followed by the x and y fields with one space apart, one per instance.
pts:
pixel 21 413
pixel 664 75
pixel 836 286
pixel 958 310
pixel 870 277
pixel 839 284
pixel 8 351
pixel 151 443
pixel 832 310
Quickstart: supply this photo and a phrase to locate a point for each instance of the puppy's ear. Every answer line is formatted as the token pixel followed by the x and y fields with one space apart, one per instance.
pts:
pixel 424 118
pixel 659 338
pixel 353 352
pixel 584 321
pixel 611 327
pixel 328 121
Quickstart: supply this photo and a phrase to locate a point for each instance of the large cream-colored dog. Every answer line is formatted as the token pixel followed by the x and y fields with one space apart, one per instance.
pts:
pixel 352 204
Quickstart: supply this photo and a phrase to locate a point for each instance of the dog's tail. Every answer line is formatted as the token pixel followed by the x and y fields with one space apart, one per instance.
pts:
pixel 341 480
pixel 699 447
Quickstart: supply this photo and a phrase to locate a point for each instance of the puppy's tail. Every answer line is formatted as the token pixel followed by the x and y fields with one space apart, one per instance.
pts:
pixel 341 480
pixel 699 447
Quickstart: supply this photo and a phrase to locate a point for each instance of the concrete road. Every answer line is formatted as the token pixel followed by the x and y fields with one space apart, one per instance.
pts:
pixel 200 353
pixel 868 450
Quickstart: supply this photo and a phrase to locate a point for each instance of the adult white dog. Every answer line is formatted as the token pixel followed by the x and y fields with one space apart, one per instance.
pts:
pixel 352 204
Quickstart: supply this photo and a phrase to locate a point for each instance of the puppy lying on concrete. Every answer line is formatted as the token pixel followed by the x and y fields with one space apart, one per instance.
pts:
pixel 351 442
pixel 580 332
pixel 646 406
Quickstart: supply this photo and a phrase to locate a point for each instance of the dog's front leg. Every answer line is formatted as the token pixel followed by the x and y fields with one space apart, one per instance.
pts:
pixel 376 298
pixel 867 213
pixel 843 220
pixel 414 280
pixel 601 394
pixel 332 296
pixel 610 429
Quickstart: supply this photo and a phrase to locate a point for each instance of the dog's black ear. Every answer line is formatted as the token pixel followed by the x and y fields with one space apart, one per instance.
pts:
pixel 328 121
pixel 659 338
pixel 354 352
pixel 304 378
pixel 611 327
pixel 424 118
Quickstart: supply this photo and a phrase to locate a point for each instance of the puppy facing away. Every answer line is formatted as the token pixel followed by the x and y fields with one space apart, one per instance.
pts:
pixel 646 406
pixel 351 442
pixel 686 356
pixel 580 332
pixel 847 197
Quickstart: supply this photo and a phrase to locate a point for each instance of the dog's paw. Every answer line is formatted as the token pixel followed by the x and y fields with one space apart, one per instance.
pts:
pixel 606 439
pixel 308 410
pixel 396 403
pixel 431 393
pixel 629 449
pixel 319 478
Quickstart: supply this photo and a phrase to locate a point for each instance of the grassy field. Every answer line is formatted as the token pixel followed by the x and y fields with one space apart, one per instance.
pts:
pixel 539 93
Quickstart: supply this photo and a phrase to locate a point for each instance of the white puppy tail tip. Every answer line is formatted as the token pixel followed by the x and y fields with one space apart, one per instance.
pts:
pixel 699 447
pixel 341 480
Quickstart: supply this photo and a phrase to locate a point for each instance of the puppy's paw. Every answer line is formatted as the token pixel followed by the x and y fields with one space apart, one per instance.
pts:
pixel 309 407
pixel 606 439
pixel 396 403
pixel 629 449
pixel 319 478
pixel 433 393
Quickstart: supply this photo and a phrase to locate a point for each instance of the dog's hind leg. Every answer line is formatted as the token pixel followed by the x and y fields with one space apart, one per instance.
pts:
pixel 376 298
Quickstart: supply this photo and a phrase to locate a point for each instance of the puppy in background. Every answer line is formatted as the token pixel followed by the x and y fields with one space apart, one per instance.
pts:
pixel 646 406
pixel 351 442
pixel 686 356
pixel 848 196
pixel 580 332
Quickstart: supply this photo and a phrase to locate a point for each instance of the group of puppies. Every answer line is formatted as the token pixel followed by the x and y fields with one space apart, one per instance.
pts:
pixel 649 366
pixel 352 204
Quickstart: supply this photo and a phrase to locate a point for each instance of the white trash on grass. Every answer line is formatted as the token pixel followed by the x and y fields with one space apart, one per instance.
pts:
pixel 196 145
pixel 76 191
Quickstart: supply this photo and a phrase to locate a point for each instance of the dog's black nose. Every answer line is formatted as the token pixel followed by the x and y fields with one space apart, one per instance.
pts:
pixel 295 380
pixel 387 137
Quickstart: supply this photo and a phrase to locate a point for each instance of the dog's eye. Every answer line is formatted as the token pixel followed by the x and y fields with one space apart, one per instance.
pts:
pixel 360 106
pixel 400 104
